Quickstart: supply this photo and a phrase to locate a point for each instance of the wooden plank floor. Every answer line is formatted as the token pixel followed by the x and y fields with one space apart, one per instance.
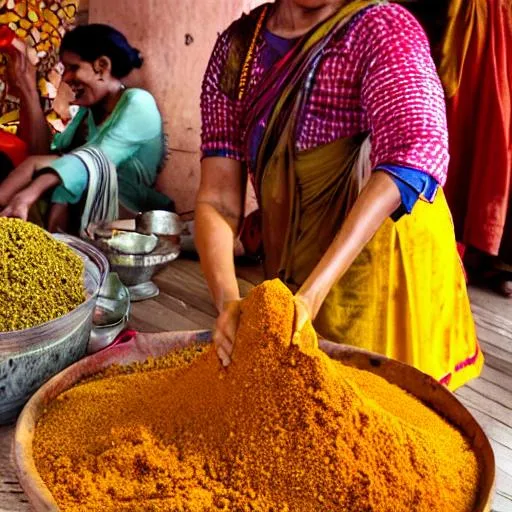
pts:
pixel 184 304
pixel 489 398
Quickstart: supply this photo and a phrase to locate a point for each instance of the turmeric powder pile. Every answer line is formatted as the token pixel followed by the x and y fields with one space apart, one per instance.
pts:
pixel 40 278
pixel 283 428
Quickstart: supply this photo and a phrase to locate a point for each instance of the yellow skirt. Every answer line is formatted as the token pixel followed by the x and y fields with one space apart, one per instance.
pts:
pixel 405 297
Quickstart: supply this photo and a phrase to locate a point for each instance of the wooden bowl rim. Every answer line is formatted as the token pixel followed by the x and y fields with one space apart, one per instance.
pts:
pixel 141 347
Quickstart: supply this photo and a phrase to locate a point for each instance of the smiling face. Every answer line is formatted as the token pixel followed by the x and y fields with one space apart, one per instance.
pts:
pixel 88 86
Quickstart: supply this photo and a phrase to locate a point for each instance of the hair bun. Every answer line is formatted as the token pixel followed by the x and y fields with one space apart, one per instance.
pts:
pixel 92 41
pixel 137 58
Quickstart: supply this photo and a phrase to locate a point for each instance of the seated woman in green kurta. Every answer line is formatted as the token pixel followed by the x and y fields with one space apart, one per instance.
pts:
pixel 109 155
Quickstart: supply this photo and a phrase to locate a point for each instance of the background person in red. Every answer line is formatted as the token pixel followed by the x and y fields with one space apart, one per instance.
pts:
pixel 472 46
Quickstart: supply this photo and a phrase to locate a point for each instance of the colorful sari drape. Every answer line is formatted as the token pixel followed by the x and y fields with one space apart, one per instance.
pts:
pixel 41 24
pixel 405 295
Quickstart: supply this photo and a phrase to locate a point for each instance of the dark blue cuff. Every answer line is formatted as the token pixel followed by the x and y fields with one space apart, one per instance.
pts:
pixel 412 183
pixel 225 153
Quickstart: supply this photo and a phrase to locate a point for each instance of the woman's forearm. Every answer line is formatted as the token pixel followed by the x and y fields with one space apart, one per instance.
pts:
pixel 21 177
pixel 377 201
pixel 214 238
pixel 21 203
pixel 33 128
pixel 41 184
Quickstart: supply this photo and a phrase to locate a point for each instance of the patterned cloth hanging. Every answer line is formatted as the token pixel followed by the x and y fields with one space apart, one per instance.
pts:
pixel 41 24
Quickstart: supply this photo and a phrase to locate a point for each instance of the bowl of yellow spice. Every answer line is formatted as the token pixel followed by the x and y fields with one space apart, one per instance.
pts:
pixel 290 425
pixel 48 289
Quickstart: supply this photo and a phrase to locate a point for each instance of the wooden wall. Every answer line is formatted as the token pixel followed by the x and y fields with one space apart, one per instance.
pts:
pixel 176 38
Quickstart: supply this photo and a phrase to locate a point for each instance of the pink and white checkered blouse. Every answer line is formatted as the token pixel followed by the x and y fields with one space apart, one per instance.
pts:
pixel 377 77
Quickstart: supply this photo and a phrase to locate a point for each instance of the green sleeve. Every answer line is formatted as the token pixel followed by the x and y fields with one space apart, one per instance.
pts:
pixel 74 177
pixel 135 120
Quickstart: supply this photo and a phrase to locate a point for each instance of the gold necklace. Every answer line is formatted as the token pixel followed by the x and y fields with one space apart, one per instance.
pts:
pixel 244 75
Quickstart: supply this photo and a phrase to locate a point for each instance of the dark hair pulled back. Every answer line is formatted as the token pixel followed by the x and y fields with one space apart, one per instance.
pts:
pixel 90 42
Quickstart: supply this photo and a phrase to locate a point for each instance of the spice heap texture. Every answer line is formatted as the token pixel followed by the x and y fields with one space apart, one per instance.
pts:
pixel 284 428
pixel 40 277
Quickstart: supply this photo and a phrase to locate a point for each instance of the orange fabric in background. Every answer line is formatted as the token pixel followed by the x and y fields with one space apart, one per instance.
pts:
pixel 464 18
pixel 479 119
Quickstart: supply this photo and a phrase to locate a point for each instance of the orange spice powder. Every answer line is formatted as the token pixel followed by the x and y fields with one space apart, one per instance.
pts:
pixel 284 428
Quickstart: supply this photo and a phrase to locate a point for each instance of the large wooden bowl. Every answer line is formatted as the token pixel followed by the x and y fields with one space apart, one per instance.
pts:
pixel 143 346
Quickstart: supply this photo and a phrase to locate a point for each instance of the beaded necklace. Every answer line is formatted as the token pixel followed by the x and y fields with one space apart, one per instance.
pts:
pixel 244 75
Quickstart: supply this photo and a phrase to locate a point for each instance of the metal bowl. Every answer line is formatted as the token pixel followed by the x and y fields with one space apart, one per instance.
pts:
pixel 134 269
pixel 110 314
pixel 167 225
pixel 29 357
pixel 132 243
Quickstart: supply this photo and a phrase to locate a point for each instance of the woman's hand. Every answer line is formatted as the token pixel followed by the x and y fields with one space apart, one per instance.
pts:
pixel 303 311
pixel 22 201
pixel 21 177
pixel 21 76
pixel 303 319
pixel 21 73
pixel 224 334
pixel 19 205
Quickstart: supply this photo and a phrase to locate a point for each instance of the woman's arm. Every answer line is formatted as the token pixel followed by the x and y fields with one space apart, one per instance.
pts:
pixel 21 203
pixel 377 201
pixel 220 201
pixel 219 211
pixel 20 177
pixel 403 99
pixel 33 128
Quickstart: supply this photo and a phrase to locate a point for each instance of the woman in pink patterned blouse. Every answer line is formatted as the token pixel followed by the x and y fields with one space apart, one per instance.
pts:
pixel 335 112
